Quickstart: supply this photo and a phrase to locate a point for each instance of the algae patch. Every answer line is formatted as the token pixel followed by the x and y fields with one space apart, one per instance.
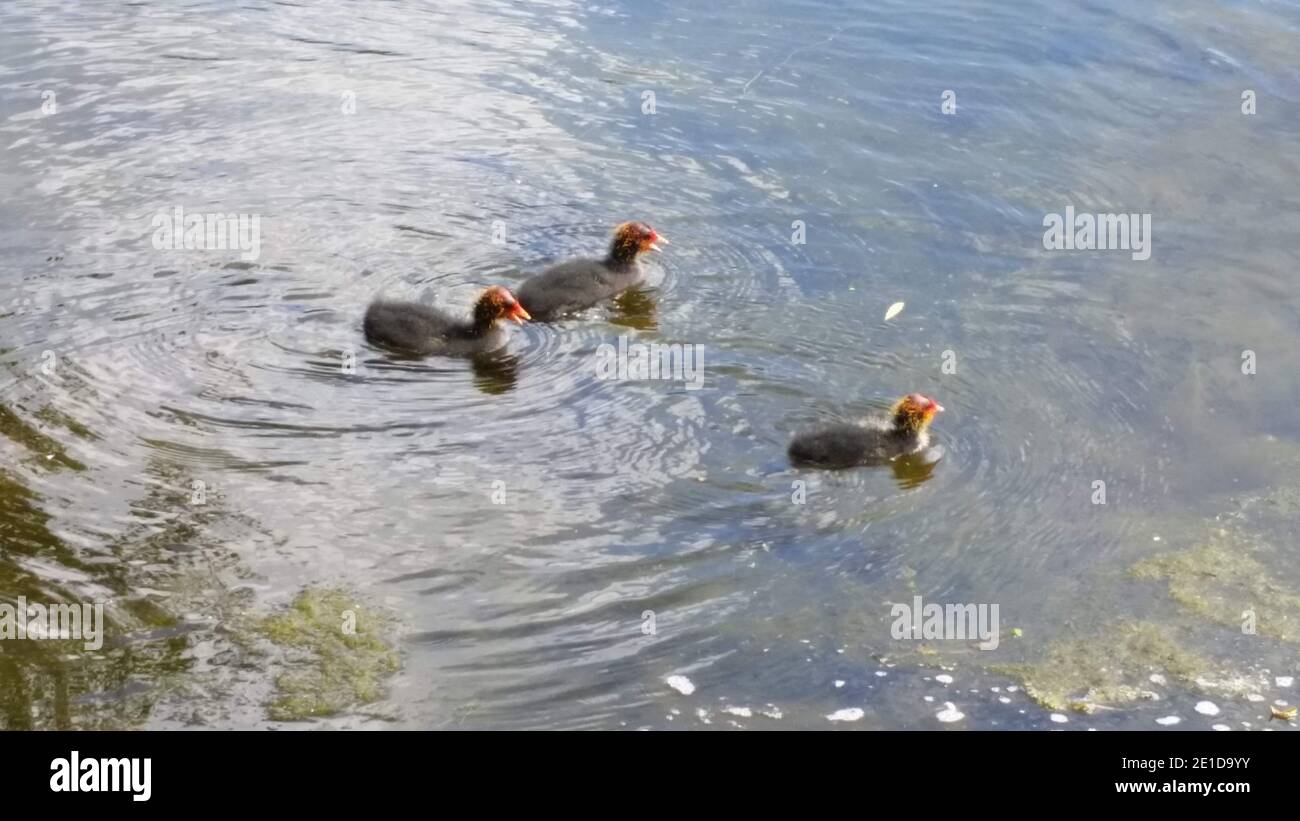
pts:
pixel 1220 582
pixel 16 428
pixel 340 657
pixel 1109 667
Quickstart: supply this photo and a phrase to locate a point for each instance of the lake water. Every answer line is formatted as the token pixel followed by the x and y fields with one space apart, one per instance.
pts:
pixel 194 438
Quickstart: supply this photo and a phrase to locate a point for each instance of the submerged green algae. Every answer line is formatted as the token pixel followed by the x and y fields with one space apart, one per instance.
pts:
pixel 13 426
pixel 180 639
pixel 1109 667
pixel 1221 582
pixel 344 654
pixel 1227 577
pixel 62 684
pixel 51 415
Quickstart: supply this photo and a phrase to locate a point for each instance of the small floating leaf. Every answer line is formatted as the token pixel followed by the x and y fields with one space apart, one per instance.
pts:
pixel 894 310
pixel 1285 715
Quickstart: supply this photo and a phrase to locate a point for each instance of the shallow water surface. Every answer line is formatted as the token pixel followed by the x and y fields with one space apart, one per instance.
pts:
pixel 195 437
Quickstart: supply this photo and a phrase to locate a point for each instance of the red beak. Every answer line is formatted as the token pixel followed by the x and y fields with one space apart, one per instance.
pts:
pixel 927 403
pixel 518 314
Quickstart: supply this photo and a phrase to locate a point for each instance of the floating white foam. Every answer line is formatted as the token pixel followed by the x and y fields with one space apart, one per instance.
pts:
pixel 849 714
pixel 949 713
pixel 1207 708
pixel 681 684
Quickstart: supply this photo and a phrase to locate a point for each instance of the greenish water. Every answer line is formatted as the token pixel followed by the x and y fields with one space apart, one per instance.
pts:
pixel 522 544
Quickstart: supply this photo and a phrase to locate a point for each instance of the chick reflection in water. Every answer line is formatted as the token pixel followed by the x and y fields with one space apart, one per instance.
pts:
pixel 915 470
pixel 636 309
pixel 495 373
